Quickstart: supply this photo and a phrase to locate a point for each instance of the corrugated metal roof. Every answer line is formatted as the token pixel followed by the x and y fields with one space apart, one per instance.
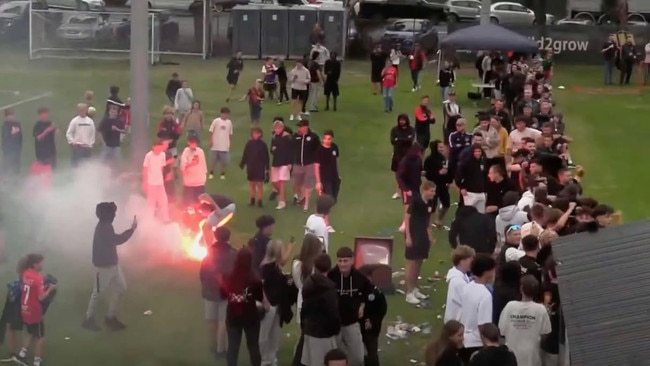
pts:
pixel 604 281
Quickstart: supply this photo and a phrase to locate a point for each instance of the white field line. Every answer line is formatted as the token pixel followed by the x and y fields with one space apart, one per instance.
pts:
pixel 27 100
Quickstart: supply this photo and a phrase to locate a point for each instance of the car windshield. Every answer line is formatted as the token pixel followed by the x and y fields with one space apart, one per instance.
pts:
pixel 79 20
pixel 11 8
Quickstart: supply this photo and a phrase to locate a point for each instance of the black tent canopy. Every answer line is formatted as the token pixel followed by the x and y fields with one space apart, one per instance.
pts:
pixel 488 37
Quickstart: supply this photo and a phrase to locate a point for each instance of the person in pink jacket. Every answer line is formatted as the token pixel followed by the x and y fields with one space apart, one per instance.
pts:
pixel 194 170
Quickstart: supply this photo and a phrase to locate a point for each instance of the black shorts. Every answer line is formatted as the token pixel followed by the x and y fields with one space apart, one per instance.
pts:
pixel 36 330
pixel 270 87
pixel 300 95
pixel 442 195
pixel 375 76
pixel 418 250
pixel 255 112
pixel 332 189
pixel 255 175
pixel 331 89
pixel 394 163
pixel 232 79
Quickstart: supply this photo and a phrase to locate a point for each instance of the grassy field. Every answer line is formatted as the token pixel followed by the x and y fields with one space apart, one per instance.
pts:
pixel 607 125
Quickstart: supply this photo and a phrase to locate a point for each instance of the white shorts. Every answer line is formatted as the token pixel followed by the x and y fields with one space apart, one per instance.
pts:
pixel 280 174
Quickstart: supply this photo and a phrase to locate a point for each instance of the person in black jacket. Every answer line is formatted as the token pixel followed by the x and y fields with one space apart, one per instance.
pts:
pixel 506 288
pixel 114 100
pixel 373 314
pixel 401 137
pixel 282 152
pixel 626 56
pixel 108 276
pixel 353 290
pixel 215 268
pixel 172 87
pixel 446 79
pixel 436 170
pixel 235 67
pixel 12 143
pixel 256 160
pixel 409 178
pixel 320 316
pixel 493 353
pixel 332 72
pixel 305 147
pixel 423 120
pixel 471 178
pixel 474 229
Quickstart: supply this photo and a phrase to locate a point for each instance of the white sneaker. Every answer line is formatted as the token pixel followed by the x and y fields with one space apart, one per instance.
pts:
pixel 281 205
pixel 306 113
pixel 420 295
pixel 413 90
pixel 291 117
pixel 412 299
pixel 395 196
pixel 330 229
pixel 402 228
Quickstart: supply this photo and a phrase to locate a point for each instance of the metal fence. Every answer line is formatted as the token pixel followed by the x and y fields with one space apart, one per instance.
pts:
pixel 580 44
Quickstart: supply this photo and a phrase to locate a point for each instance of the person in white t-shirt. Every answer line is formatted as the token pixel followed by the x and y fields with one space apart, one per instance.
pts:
pixel 153 182
pixel 316 223
pixel 520 132
pixel 523 324
pixel 221 131
pixel 476 305
pixel 457 279
pixel 194 170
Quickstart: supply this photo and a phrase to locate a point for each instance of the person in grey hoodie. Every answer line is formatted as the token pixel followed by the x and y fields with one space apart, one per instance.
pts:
pixel 509 214
pixel 491 140
pixel 183 101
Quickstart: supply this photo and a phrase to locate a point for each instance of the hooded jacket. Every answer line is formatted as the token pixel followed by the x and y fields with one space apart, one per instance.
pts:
pixel 105 240
pixel 432 166
pixel 509 215
pixel 456 281
pixel 320 307
pixel 215 268
pixel 353 290
pixel 473 228
pixel 401 137
pixel 494 355
pixel 374 311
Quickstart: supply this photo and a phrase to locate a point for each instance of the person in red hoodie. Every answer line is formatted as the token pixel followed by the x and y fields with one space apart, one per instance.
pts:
pixel 423 120
pixel 388 83
pixel 417 59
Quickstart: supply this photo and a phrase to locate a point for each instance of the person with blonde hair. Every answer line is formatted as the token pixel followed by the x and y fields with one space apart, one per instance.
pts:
pixel 275 287
pixel 444 350
pixel 81 135
pixel 457 278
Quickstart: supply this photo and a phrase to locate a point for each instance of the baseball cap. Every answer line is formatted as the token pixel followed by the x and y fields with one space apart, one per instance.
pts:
pixel 451 92
pixel 303 123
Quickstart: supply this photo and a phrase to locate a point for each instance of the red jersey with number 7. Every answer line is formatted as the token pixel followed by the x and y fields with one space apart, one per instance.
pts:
pixel 31 309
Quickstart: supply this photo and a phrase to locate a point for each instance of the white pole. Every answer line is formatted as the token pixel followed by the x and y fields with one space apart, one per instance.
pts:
pixel 31 33
pixel 139 82
pixel 439 62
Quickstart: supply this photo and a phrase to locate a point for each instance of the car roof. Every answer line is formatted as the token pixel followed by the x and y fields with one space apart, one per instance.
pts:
pixel 409 20
pixel 507 3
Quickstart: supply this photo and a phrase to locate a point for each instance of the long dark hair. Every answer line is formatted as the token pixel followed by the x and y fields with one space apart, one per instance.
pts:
pixel 311 248
pixel 436 348
pixel 243 275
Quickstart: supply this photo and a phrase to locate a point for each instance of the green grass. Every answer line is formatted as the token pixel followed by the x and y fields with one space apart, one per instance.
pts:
pixel 609 131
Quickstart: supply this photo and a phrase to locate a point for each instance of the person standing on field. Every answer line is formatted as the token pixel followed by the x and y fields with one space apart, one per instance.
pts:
pixel 81 135
pixel 109 276
pixel 153 182
pixel 221 131
pixel 282 152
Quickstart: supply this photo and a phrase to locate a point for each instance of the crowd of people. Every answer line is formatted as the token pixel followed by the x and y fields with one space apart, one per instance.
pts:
pixel 510 168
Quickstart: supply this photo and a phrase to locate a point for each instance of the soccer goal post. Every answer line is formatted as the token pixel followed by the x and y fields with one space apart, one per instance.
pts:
pixel 68 34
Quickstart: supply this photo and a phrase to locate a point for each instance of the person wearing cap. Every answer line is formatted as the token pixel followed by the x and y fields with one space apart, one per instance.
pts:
pixel 305 147
pixel 353 289
pixel 215 268
pixel 451 112
pixel 194 170
pixel 221 130
pixel 258 243
pixel 282 153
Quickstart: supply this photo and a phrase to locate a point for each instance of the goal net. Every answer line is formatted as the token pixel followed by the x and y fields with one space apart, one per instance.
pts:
pixel 86 35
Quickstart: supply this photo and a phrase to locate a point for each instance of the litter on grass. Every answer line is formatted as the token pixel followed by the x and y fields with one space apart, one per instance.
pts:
pixel 148 312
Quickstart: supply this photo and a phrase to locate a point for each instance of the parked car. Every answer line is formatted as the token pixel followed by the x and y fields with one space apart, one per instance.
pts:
pixel 173 5
pixel 462 10
pixel 14 20
pixel 407 32
pixel 514 13
pixel 87 27
pixel 169 30
pixel 574 21
pixel 82 5
pixel 380 10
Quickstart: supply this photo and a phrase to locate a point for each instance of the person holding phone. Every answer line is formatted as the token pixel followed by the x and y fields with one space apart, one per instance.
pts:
pixel 108 274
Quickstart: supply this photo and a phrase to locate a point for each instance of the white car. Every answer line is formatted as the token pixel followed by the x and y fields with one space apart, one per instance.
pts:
pixel 174 5
pixel 82 5
pixel 514 13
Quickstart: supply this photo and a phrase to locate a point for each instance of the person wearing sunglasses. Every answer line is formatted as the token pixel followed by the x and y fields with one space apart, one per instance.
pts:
pixel 509 251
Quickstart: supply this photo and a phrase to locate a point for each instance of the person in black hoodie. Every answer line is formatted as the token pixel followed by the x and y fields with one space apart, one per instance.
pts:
pixel 353 290
pixel 471 179
pixel 12 143
pixel 332 72
pixel 320 316
pixel 401 137
pixel 172 87
pixel 305 147
pixel 111 129
pixel 423 120
pixel 215 268
pixel 506 288
pixel 436 170
pixel 409 178
pixel 235 68
pixel 373 314
pixel 493 353
pixel 256 160
pixel 474 229
pixel 108 276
